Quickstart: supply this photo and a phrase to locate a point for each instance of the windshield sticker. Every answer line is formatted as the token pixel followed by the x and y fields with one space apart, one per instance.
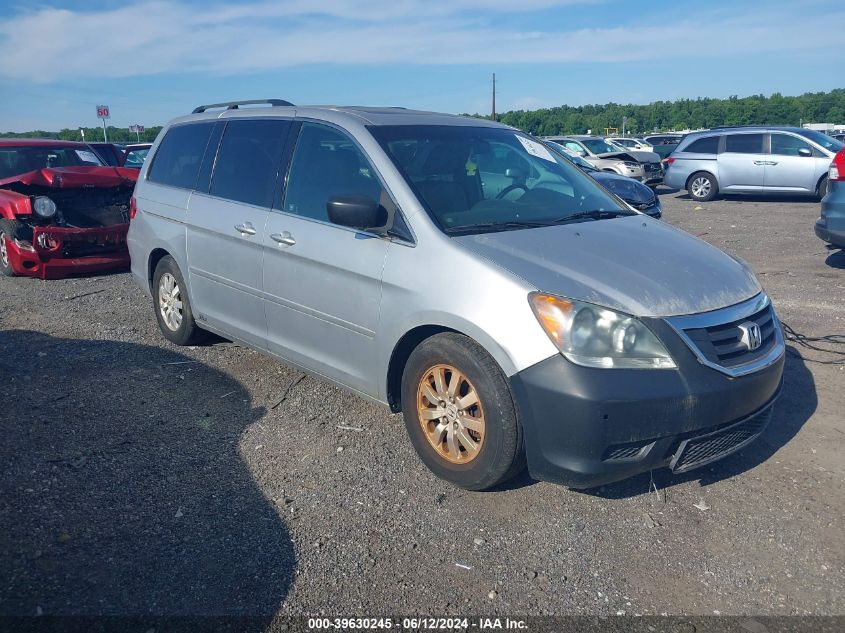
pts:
pixel 88 157
pixel 536 149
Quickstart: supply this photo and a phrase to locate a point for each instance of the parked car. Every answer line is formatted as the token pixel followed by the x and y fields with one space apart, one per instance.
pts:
pixel 134 155
pixel 62 211
pixel 630 143
pixel 752 160
pixel 830 226
pixel 458 271
pixel 109 153
pixel 639 196
pixel 644 166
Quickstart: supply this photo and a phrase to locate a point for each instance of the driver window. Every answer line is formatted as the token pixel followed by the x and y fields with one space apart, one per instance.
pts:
pixel 574 147
pixel 326 163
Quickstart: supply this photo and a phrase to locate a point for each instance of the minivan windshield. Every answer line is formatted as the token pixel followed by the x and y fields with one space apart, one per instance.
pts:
pixel 598 146
pixel 828 142
pixel 486 179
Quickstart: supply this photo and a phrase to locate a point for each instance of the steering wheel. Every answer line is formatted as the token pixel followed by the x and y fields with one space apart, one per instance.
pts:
pixel 510 188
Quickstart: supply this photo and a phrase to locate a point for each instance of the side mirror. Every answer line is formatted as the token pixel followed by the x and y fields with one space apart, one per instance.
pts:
pixel 516 173
pixel 803 151
pixel 357 212
pixel 582 153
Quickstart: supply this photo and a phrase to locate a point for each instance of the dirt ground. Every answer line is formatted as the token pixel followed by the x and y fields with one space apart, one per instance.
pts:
pixel 141 478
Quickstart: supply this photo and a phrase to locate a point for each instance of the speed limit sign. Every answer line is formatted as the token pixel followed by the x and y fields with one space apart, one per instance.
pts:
pixel 102 112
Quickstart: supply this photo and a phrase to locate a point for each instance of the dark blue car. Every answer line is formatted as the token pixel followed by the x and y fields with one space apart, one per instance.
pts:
pixel 635 193
pixel 830 226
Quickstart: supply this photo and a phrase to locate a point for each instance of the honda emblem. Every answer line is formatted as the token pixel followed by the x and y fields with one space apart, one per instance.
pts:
pixel 750 335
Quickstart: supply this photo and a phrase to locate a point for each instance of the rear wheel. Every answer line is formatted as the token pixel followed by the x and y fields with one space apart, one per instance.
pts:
pixel 821 190
pixel 172 306
pixel 459 413
pixel 702 187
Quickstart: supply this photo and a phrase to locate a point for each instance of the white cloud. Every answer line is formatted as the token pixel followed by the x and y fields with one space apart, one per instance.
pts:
pixel 155 37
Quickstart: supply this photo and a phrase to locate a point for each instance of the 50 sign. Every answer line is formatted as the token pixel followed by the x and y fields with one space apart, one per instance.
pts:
pixel 103 112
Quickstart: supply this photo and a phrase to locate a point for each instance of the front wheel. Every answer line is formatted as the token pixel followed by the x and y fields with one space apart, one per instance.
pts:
pixel 459 413
pixel 5 264
pixel 702 187
pixel 172 306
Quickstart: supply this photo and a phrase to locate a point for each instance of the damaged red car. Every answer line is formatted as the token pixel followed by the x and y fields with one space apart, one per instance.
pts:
pixel 62 212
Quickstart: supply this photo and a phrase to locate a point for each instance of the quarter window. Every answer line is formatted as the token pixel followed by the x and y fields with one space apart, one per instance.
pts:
pixel 177 160
pixel 248 160
pixel 786 145
pixel 326 163
pixel 744 143
pixel 708 145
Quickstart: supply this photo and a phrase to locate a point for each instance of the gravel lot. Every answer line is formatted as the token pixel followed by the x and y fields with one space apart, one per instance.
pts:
pixel 140 478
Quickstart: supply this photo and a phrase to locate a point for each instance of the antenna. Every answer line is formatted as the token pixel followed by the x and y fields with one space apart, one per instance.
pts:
pixel 494 97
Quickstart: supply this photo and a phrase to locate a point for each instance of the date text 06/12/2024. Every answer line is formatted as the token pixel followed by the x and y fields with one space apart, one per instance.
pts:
pixel 418 623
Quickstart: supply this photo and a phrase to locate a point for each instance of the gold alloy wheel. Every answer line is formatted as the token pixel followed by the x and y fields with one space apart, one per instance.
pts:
pixel 451 414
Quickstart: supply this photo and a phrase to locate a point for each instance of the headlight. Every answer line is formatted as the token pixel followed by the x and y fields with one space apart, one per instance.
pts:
pixel 44 207
pixel 631 165
pixel 594 336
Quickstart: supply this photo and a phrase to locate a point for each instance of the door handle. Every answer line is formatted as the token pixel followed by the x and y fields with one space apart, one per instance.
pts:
pixel 245 229
pixel 765 162
pixel 283 238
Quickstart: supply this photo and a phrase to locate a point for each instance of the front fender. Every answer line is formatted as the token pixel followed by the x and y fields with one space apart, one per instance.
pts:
pixel 13 204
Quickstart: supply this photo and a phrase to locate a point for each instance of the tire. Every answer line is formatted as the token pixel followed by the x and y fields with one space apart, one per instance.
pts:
pixel 702 186
pixel 821 190
pixel 495 432
pixel 10 229
pixel 172 306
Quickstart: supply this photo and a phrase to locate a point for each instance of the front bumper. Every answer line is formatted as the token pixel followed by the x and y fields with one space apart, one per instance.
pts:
pixel 586 427
pixel 59 252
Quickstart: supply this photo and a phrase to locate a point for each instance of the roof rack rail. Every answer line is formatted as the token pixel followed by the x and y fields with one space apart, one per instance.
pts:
pixel 734 127
pixel 234 105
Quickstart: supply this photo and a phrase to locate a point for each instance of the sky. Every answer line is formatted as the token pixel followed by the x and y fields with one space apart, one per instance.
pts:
pixel 151 60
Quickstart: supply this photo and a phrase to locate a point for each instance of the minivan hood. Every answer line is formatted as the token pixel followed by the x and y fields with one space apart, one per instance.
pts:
pixel 632 264
pixel 634 156
pixel 628 189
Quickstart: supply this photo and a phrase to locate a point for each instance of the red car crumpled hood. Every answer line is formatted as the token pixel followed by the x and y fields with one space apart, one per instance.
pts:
pixel 74 177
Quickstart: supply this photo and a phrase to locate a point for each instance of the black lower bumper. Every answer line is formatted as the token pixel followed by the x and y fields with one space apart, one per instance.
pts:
pixel 585 427
pixel 826 234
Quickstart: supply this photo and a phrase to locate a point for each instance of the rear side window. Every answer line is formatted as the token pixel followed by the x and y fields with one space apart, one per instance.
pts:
pixel 326 163
pixel 708 145
pixel 248 160
pixel 744 143
pixel 177 161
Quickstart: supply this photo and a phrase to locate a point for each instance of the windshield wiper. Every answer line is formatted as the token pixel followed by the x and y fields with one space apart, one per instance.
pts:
pixel 596 214
pixel 495 226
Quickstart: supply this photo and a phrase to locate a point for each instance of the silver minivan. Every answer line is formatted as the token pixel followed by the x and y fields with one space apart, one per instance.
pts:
pixel 456 270
pixel 752 160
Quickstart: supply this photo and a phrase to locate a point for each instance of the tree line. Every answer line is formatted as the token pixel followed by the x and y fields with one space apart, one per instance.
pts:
pixel 683 114
pixel 92 134
pixel 660 116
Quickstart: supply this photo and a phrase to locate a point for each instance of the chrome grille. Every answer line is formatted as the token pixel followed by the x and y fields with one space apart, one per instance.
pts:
pixel 716 337
pixel 722 343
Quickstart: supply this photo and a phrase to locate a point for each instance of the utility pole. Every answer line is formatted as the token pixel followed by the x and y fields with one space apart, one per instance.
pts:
pixel 494 97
